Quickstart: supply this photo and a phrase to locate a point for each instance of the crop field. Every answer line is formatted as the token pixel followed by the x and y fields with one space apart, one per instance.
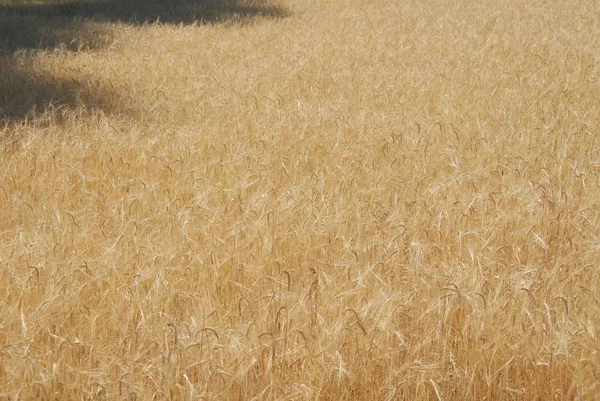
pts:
pixel 300 200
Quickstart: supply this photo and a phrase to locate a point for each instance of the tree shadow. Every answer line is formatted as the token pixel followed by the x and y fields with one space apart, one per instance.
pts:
pixel 56 23
pixel 38 32
pixel 86 25
pixel 27 90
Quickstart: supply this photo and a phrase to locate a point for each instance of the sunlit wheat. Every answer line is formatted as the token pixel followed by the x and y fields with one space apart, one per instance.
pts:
pixel 351 200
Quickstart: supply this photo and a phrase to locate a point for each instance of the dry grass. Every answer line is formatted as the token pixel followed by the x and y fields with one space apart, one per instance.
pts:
pixel 376 200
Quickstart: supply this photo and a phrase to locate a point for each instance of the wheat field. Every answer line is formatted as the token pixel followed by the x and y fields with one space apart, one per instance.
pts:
pixel 300 200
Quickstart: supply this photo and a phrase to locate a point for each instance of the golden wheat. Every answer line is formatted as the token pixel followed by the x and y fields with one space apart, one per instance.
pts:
pixel 346 200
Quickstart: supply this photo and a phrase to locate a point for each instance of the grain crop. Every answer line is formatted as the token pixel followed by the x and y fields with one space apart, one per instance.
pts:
pixel 300 200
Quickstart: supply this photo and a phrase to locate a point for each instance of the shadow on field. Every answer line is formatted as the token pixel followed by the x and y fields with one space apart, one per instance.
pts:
pixel 27 26
pixel 46 25
pixel 34 32
pixel 27 90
